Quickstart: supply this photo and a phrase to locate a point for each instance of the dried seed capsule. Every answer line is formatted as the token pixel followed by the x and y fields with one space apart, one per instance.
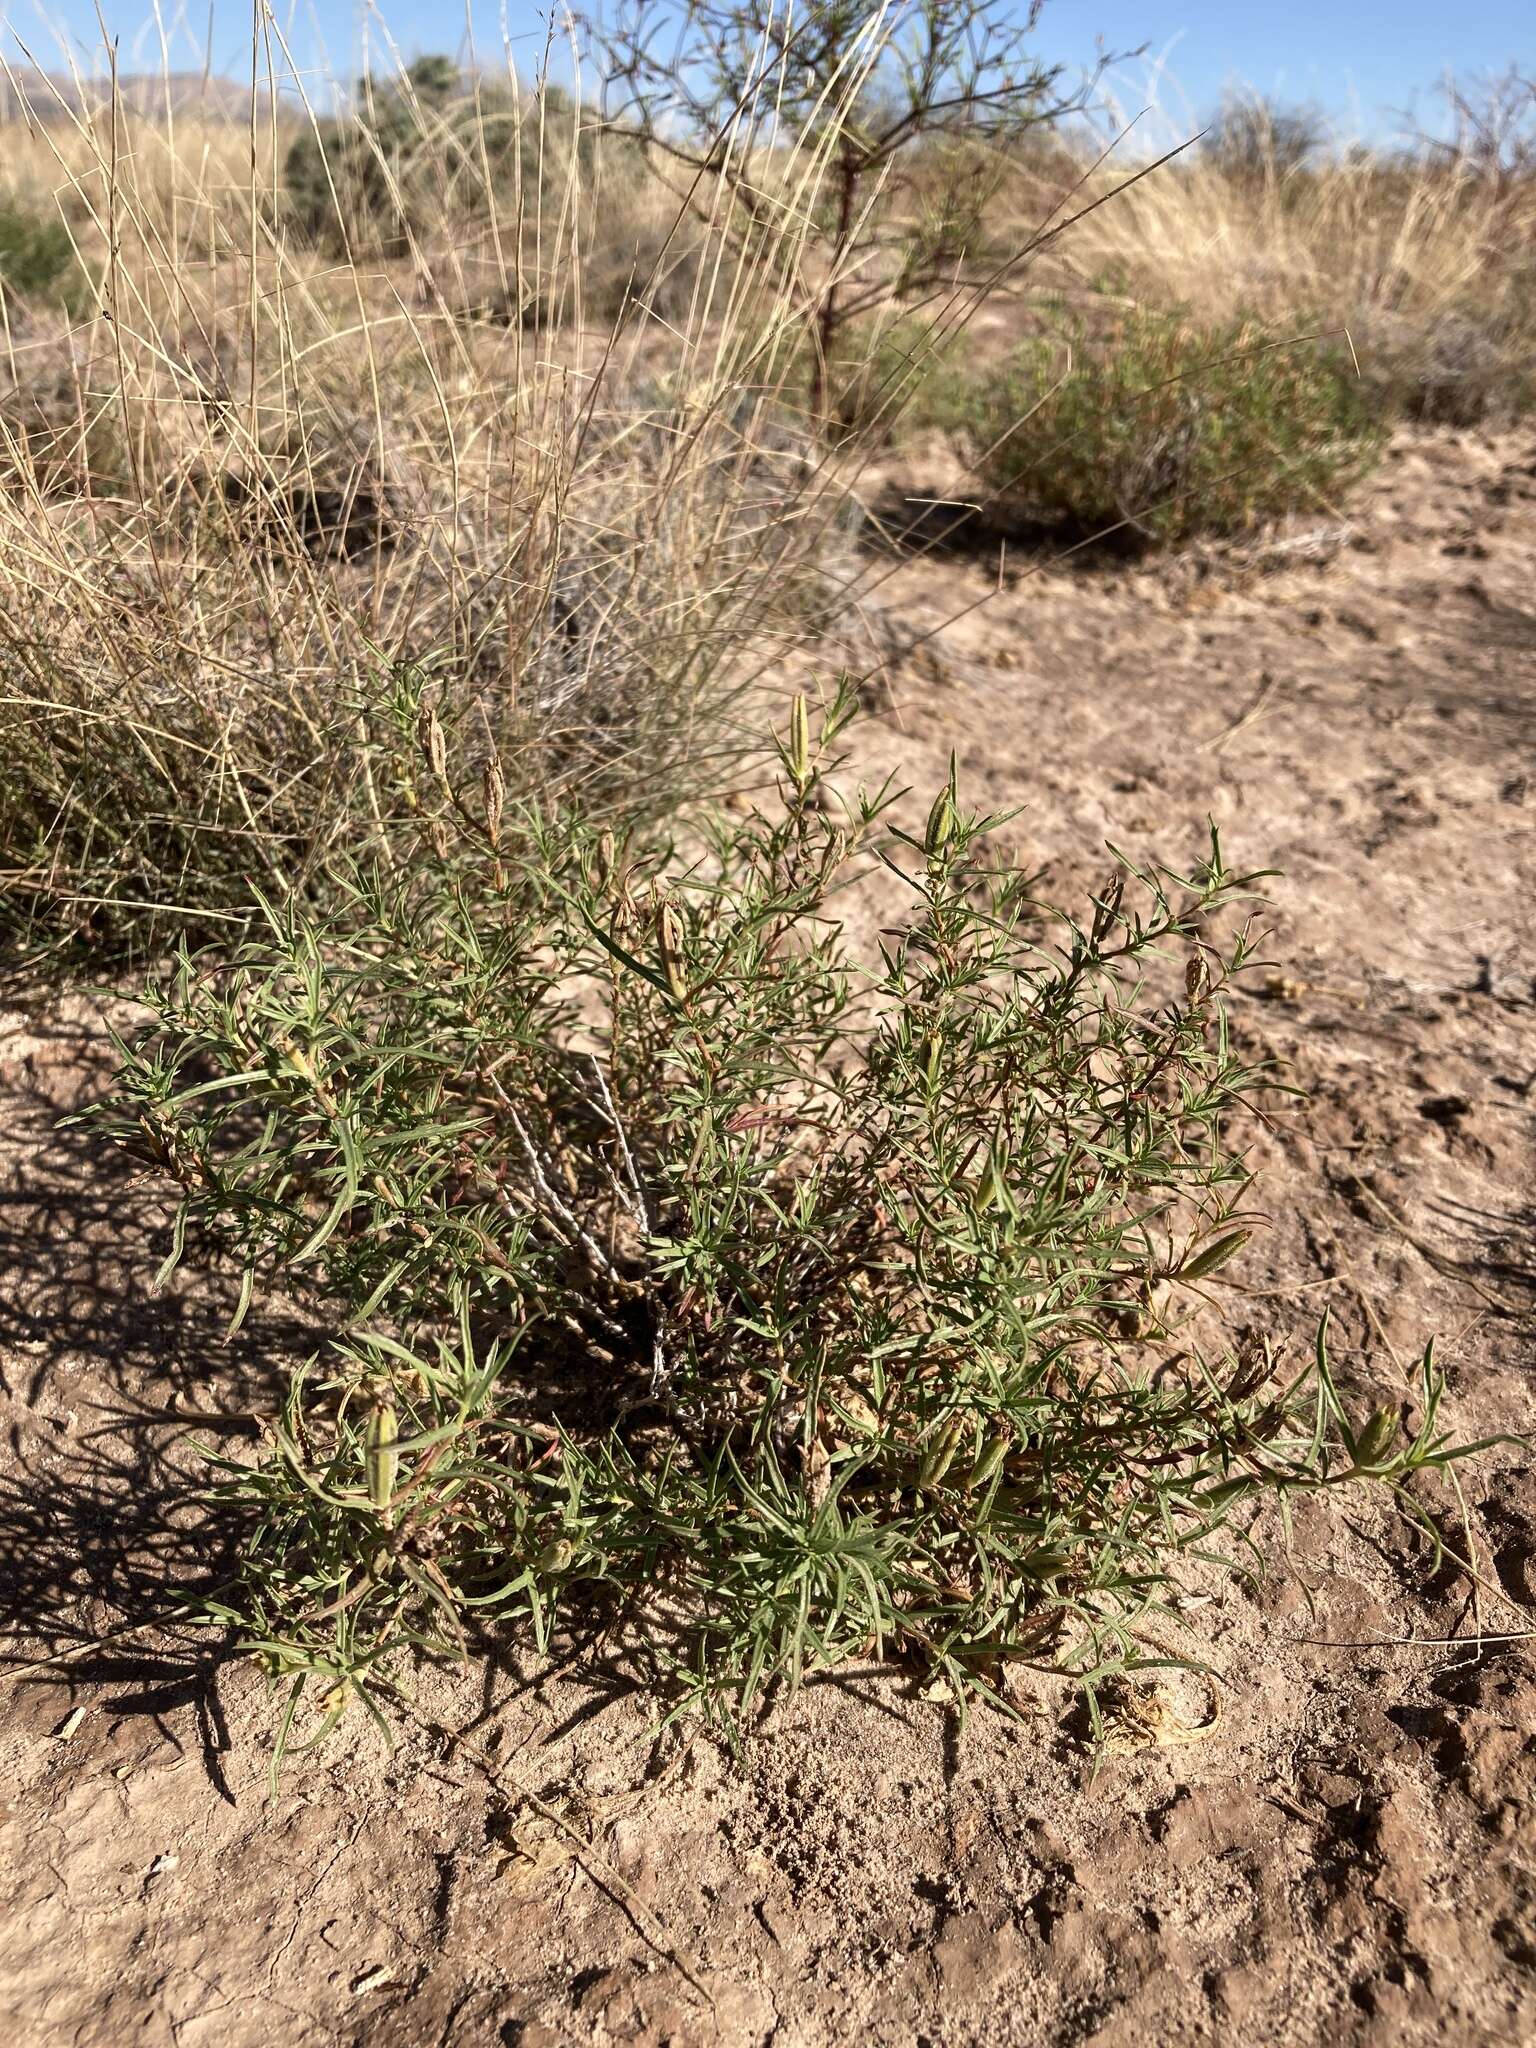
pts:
pixel 602 873
pixel 495 797
pixel 429 736
pixel 1108 907
pixel 669 944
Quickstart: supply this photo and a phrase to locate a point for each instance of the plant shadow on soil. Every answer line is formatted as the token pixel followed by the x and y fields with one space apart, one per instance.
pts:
pixel 900 521
pixel 110 1408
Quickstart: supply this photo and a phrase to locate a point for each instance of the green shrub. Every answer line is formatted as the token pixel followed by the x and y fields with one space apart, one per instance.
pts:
pixel 426 152
pixel 36 254
pixel 765 1303
pixel 884 373
pixel 1162 429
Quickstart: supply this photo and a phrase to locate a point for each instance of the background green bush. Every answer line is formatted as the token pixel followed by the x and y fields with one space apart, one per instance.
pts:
pixel 1161 429
pixel 425 150
pixel 36 254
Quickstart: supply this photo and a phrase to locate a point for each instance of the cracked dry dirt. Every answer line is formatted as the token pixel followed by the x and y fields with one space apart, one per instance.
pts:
pixel 1348 1855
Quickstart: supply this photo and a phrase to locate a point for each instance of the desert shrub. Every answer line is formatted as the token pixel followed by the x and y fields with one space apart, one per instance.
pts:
pixel 341 184
pixel 36 254
pixel 702 1278
pixel 1256 141
pixel 883 372
pixel 911 114
pixel 1162 429
pixel 1269 218
pixel 1469 366
pixel 430 149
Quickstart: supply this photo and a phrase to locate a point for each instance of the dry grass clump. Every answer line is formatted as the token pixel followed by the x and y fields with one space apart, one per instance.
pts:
pixel 258 474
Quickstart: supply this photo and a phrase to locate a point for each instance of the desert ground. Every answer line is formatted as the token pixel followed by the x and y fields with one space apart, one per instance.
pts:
pixel 1330 1837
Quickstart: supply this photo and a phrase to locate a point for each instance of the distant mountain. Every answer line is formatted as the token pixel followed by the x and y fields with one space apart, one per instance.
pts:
pixel 54 96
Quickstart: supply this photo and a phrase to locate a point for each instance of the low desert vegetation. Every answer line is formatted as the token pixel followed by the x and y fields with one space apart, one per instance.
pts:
pixel 1158 430
pixel 415 519
pixel 715 1289
pixel 1415 257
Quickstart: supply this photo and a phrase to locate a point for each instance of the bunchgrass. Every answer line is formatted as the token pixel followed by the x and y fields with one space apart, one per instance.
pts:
pixel 280 454
pixel 708 1282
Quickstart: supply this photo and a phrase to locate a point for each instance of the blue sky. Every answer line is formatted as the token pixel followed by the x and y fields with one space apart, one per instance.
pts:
pixel 1364 62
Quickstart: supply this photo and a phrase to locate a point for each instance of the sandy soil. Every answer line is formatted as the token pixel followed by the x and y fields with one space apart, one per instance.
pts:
pixel 1348 1854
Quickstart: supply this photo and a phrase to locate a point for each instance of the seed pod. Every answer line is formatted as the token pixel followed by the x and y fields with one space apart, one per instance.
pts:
pixel 1214 1255
pixel 669 944
pixel 603 859
pixel 1197 981
pixel 1252 1368
pixel 380 1456
pixel 941 823
pixel 940 1454
pixel 1108 907
pixel 1373 1441
pixel 993 1451
pixel 799 754
pixel 933 1058
pixel 429 735
pixel 495 797
pixel 992 1189
pixel 438 834
pixel 297 1058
